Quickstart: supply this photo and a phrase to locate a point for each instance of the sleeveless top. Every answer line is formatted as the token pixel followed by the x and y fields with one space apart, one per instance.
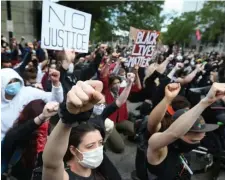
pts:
pixel 94 176
pixel 171 168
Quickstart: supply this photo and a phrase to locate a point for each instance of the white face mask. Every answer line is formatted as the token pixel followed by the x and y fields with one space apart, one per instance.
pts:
pixel 98 109
pixel 70 68
pixel 92 159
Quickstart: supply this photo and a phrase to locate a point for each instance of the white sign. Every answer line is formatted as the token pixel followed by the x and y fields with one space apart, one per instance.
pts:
pixel 64 28
pixel 9 25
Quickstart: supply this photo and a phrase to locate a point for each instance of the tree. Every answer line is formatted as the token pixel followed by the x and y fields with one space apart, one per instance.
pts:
pixel 181 29
pixel 139 14
pixel 212 20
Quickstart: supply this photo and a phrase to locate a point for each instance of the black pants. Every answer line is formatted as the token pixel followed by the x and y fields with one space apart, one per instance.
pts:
pixel 141 164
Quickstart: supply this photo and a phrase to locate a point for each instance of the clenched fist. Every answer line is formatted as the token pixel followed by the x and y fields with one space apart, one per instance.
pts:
pixel 216 92
pixel 83 96
pixel 130 77
pixel 171 91
pixel 54 76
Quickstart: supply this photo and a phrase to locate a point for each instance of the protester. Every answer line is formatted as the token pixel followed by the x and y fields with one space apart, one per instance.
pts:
pixel 82 145
pixel 15 96
pixel 28 136
pixel 183 135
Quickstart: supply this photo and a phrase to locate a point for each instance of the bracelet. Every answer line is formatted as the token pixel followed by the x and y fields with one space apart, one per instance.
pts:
pixel 40 119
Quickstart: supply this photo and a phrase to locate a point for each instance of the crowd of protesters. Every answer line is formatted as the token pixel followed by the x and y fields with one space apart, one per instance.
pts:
pixel 61 110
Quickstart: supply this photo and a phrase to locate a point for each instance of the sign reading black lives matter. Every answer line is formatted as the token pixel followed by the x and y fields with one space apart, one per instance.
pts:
pixel 143 48
pixel 64 28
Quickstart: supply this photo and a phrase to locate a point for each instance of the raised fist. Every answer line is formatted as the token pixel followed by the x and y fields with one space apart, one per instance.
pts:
pixel 171 91
pixel 216 92
pixel 54 76
pixel 179 66
pixel 83 96
pixel 130 77
pixel 50 109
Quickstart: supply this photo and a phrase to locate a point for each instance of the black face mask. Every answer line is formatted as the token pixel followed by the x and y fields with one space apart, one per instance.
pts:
pixel 184 147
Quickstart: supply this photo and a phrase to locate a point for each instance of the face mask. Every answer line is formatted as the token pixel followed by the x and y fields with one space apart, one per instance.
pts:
pixel 92 159
pixel 70 68
pixel 184 147
pixel 98 109
pixel 33 52
pixel 13 88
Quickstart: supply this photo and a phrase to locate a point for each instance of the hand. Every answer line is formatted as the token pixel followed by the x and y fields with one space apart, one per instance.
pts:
pixel 130 78
pixel 54 76
pixel 69 55
pixel 50 110
pixel 136 68
pixel 179 66
pixel 38 86
pixel 83 96
pixel 171 91
pixel 216 92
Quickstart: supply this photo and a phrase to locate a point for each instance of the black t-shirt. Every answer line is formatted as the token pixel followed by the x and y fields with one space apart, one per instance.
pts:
pixel 171 168
pixel 94 176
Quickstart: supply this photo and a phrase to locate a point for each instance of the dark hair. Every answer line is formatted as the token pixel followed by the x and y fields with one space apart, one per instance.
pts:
pixel 30 111
pixel 76 135
pixel 179 102
pixel 113 78
pixel 30 74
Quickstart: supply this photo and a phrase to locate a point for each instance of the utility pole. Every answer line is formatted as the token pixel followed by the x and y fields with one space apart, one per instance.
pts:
pixel 9 18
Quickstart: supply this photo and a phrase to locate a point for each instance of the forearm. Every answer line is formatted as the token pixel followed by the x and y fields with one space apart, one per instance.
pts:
pixel 190 76
pixel 52 156
pixel 124 95
pixel 172 72
pixel 184 123
pixel 157 115
pixel 162 67
pixel 57 92
pixel 137 81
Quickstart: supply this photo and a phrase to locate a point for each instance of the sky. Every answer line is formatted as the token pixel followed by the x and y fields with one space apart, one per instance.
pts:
pixel 176 7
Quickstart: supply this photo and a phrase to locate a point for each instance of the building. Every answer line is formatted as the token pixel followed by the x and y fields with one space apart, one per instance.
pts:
pixel 26 16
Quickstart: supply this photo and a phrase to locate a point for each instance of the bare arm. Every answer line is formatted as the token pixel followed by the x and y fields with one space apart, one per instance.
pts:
pixel 188 78
pixel 105 70
pixel 124 95
pixel 53 166
pixel 179 128
pixel 157 114
pixel 137 79
pixel 162 67
pixel 184 123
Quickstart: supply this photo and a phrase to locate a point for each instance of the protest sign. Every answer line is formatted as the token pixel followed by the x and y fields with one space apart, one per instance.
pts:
pixel 143 48
pixel 64 28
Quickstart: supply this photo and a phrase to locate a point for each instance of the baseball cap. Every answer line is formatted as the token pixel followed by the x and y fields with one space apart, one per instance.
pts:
pixel 199 125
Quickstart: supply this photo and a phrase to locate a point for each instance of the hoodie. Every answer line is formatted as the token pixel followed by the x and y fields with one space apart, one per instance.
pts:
pixel 11 109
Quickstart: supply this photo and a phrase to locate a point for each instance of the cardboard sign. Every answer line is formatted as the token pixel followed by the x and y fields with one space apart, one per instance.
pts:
pixel 143 48
pixel 64 28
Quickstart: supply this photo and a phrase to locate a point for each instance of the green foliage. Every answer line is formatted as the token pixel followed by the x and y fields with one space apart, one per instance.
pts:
pixel 108 16
pixel 180 29
pixel 210 20
pixel 140 14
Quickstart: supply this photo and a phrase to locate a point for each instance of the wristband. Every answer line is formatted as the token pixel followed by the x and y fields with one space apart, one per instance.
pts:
pixel 41 119
pixel 68 118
